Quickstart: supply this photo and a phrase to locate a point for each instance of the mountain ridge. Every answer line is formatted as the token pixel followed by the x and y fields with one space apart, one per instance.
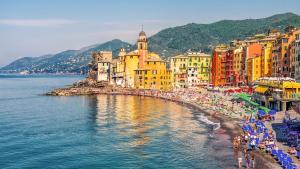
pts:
pixel 166 43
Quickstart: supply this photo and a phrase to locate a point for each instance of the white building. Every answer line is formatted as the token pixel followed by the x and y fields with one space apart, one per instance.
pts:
pixel 192 77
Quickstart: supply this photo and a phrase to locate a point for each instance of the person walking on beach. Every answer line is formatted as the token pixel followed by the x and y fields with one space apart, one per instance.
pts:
pixel 240 162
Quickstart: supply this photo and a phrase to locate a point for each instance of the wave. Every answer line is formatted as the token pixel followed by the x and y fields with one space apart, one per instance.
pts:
pixel 204 119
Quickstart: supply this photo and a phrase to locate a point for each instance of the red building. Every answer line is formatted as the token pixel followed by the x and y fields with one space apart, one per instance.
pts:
pixel 218 66
pixel 229 72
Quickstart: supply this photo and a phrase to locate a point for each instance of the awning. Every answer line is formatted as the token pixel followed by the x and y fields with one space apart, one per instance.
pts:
pixel 261 89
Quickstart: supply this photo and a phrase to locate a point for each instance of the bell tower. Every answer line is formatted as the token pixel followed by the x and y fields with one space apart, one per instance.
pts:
pixel 142 46
pixel 142 42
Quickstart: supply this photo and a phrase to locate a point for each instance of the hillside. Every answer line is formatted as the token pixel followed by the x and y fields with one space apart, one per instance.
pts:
pixel 166 43
pixel 203 36
pixel 70 61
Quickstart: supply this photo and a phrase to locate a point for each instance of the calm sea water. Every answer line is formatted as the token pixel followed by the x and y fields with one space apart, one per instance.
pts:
pixel 102 131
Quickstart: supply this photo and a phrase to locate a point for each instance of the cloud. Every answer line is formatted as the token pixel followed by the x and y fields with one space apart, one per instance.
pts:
pixel 36 22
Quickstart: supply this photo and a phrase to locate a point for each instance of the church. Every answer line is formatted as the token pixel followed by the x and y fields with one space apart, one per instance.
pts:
pixel 141 69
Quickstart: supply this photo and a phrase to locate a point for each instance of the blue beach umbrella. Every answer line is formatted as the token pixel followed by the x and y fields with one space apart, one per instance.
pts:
pixel 272 112
pixel 261 112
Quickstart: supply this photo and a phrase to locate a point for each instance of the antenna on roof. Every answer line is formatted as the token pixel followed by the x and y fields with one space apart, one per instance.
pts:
pixel 142 27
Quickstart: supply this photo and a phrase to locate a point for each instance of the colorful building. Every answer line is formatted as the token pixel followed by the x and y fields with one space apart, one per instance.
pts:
pixel 141 68
pixel 277 93
pixel 191 69
pixel 101 66
pixel 253 57
pixel 239 65
pixel 297 56
pixel 131 63
pixel 119 68
pixel 266 60
pixel 179 66
pixel 254 68
pixel 153 75
pixel 218 70
pixel 198 68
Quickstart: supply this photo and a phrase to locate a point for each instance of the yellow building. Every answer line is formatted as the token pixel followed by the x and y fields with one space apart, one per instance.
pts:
pixel 154 75
pixel 266 60
pixel 142 69
pixel 191 69
pixel 237 59
pixel 198 68
pixel 276 92
pixel 131 63
pixel 119 68
pixel 179 66
pixel 254 68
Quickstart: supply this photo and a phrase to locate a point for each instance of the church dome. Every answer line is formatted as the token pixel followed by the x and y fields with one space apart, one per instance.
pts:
pixel 142 33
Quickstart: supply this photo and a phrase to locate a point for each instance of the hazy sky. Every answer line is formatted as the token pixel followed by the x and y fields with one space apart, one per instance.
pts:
pixel 37 27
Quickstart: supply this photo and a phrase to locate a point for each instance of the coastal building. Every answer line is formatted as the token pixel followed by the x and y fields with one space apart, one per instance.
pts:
pixel 101 66
pixel 198 69
pixel 239 64
pixel 253 57
pixel 119 69
pixel 266 60
pixel 142 69
pixel 218 66
pixel 131 63
pixel 277 92
pixel 230 75
pixel 292 50
pixel 191 69
pixel 254 68
pixel 154 74
pixel 297 56
pixel 179 66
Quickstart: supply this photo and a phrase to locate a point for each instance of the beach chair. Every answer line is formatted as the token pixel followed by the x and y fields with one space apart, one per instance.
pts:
pixel 291 166
pixel 280 152
pixel 274 152
pixel 289 159
pixel 259 129
pixel 298 154
pixel 284 163
pixel 266 135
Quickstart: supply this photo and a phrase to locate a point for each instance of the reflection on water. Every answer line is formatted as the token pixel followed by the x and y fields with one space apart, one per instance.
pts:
pixel 143 119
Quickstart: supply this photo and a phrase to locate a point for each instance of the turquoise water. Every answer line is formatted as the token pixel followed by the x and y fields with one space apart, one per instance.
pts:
pixel 102 131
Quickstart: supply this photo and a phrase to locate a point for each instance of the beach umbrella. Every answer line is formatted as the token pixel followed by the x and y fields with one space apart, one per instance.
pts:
pixel 272 112
pixel 261 112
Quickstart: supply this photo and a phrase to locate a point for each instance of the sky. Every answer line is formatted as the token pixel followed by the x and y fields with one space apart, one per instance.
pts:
pixel 30 28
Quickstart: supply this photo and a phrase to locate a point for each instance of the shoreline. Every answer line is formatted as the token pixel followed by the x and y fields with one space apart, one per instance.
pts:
pixel 229 124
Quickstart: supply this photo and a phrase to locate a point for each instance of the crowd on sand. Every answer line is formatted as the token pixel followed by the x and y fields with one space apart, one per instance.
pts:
pixel 255 136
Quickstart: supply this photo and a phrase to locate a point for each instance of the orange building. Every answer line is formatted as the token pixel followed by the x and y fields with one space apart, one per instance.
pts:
pixel 253 57
pixel 218 67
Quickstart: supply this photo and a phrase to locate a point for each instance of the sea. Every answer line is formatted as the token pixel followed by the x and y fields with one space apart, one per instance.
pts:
pixel 103 131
